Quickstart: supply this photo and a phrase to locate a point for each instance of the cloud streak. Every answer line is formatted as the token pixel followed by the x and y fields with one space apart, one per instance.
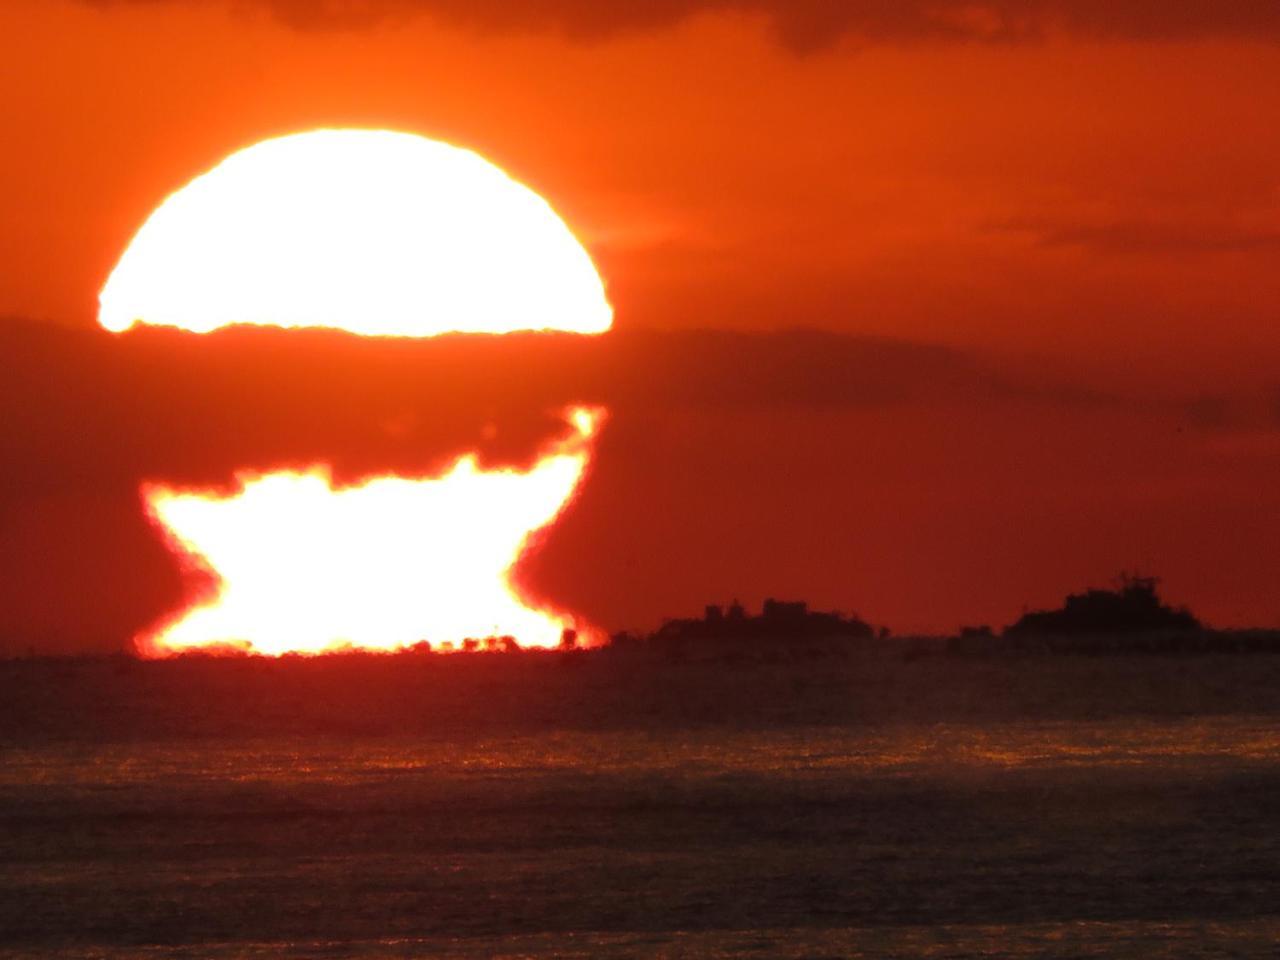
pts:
pixel 806 25
pixel 83 408
pixel 1142 237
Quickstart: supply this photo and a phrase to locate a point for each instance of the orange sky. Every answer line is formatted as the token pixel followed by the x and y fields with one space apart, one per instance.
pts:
pixel 1093 211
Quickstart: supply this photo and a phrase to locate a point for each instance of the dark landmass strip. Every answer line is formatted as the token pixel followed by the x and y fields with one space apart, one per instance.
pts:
pixel 1103 654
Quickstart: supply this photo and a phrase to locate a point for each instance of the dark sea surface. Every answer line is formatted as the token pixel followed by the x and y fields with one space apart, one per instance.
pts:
pixel 1119 836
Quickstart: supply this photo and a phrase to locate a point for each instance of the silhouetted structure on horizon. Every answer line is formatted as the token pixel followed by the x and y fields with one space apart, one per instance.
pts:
pixel 1134 607
pixel 783 629
pixel 1129 619
pixel 778 620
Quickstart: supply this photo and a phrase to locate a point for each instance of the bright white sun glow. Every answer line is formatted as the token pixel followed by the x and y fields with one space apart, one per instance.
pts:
pixel 391 562
pixel 370 231
pixel 379 234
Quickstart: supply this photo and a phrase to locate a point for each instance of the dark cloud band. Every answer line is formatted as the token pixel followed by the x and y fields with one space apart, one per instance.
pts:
pixel 84 408
pixel 809 24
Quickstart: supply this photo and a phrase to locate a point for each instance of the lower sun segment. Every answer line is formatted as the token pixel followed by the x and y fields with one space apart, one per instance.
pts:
pixel 301 566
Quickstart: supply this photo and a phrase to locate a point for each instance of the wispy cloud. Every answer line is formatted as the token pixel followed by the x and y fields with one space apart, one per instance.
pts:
pixel 1145 236
pixel 808 24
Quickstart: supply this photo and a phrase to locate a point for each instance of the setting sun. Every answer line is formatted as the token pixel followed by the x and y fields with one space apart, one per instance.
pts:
pixel 370 231
pixel 390 562
pixel 378 234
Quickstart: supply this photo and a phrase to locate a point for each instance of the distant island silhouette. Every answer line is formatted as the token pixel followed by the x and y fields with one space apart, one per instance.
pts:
pixel 734 634
pixel 1120 651
pixel 1129 618
pixel 1134 607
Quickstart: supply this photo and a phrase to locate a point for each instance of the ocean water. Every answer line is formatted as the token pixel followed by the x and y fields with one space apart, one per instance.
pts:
pixel 1113 838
